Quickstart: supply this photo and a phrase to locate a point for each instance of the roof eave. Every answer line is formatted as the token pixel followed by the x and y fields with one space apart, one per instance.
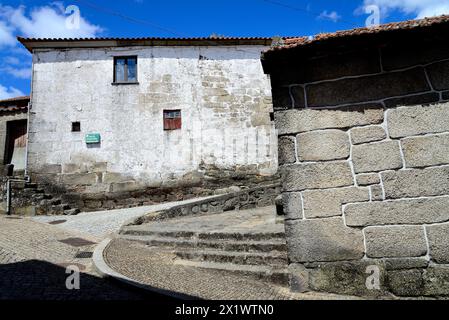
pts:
pixel 31 44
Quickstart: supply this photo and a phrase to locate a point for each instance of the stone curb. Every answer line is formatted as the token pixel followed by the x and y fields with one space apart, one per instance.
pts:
pixel 107 272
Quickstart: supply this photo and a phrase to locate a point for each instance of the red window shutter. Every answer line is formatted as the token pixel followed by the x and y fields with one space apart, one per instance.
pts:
pixel 172 120
pixel 177 122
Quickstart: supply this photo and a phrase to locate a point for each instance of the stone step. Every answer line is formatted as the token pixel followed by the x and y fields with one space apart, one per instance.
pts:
pixel 224 245
pixel 256 236
pixel 241 258
pixel 279 276
pixel 135 231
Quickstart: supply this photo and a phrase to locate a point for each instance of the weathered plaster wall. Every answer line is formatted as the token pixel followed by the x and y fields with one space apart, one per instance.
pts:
pixel 223 93
pixel 364 155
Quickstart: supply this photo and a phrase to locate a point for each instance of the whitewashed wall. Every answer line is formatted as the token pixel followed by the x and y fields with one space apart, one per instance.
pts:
pixel 225 99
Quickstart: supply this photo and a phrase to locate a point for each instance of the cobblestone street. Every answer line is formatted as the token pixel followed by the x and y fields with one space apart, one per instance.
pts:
pixel 33 263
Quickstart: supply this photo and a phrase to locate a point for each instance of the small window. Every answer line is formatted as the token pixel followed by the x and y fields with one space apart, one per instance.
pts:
pixel 76 126
pixel 125 70
pixel 172 119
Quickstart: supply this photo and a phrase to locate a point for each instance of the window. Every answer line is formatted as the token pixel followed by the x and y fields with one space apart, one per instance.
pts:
pixel 172 119
pixel 76 127
pixel 125 70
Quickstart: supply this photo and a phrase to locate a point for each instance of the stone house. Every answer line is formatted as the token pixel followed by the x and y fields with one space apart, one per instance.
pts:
pixel 13 131
pixel 127 117
pixel 363 123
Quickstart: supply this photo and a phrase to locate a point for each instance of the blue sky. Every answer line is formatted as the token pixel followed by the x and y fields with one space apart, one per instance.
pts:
pixel 180 18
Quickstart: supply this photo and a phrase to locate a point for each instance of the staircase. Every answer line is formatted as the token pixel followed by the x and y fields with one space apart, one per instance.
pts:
pixel 238 246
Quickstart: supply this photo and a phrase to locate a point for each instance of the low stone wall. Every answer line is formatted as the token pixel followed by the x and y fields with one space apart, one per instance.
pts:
pixel 262 196
pixel 364 153
pixel 50 199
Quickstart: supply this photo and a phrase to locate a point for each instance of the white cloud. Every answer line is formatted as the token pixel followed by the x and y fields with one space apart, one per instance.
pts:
pixel 6 35
pixel 41 22
pixel 332 16
pixel 11 60
pixel 11 92
pixel 420 8
pixel 21 73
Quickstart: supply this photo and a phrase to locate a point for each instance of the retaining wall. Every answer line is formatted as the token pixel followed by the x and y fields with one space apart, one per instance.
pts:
pixel 262 196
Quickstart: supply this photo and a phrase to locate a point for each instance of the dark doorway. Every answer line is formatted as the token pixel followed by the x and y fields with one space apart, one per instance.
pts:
pixel 16 139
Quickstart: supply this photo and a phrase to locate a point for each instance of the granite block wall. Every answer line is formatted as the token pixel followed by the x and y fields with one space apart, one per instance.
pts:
pixel 364 156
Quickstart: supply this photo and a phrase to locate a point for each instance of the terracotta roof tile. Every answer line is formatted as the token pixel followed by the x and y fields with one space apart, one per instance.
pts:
pixel 31 43
pixel 405 25
pixel 14 104
pixel 15 99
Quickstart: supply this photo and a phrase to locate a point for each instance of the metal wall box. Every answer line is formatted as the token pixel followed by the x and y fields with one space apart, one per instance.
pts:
pixel 93 138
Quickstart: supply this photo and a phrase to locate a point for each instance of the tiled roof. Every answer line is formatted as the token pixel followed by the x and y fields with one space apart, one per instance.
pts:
pixel 385 28
pixel 14 104
pixel 31 43
pixel 218 39
pixel 23 98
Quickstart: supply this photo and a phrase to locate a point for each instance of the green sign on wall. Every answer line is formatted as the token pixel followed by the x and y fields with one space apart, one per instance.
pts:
pixel 93 138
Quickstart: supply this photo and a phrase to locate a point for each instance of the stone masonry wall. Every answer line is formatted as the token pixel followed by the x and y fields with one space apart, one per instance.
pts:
pixel 364 155
pixel 225 102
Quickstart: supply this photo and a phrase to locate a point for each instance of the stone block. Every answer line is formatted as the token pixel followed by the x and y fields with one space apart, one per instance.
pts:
pixel 368 134
pixel 298 97
pixel 328 203
pixel 406 53
pixel 436 281
pixel 445 95
pixel 114 177
pixel 324 175
pixel 98 167
pixel 418 120
pixel 412 100
pixel 79 179
pixel 287 150
pixel 68 168
pixel 281 98
pixel 299 278
pixel 426 151
pixel 46 178
pixel 360 62
pixel 406 283
pixel 124 186
pixel 367 88
pixel 377 156
pixel 349 278
pixel 406 263
pixel 303 120
pixel 322 240
pixel 323 145
pixel 438 236
pixel 377 193
pixel 415 183
pixel 439 75
pixel 50 169
pixel 368 179
pixel 395 242
pixel 292 203
pixel 413 211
